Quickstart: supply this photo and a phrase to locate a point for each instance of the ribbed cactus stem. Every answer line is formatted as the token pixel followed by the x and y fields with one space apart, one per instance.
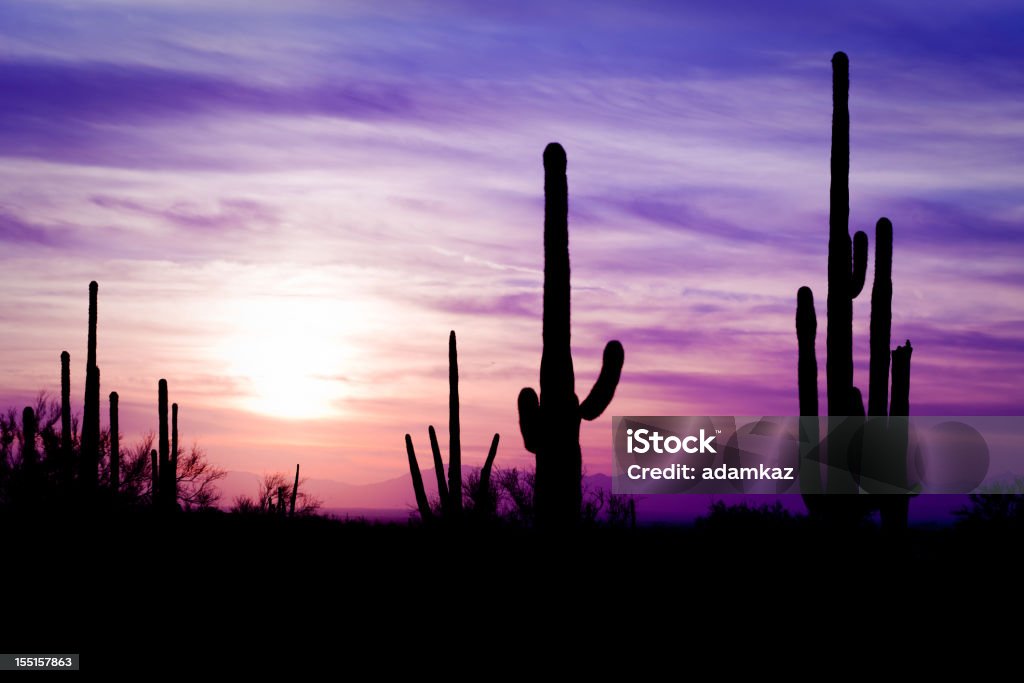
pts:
pixel 881 320
pixel 454 430
pixel 164 445
pixel 29 456
pixel 172 478
pixel 295 492
pixel 66 439
pixel 115 444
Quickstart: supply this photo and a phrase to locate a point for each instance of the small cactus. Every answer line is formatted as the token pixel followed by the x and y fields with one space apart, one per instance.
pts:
pixel 450 492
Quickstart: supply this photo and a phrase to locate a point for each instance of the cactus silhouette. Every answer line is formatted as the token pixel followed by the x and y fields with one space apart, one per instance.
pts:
pixel 550 423
pixel 89 461
pixel 174 448
pixel 29 456
pixel 155 487
pixel 295 492
pixel 115 445
pixel 881 457
pixel 450 493
pixel 66 437
pixel 167 493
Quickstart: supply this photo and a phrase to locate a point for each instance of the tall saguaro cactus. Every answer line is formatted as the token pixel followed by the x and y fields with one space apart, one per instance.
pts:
pixel 115 445
pixel 91 411
pixel 450 492
pixel 66 437
pixel 884 456
pixel 165 492
pixel 550 423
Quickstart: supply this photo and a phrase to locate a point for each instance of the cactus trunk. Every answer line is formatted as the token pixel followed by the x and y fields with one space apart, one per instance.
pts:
pixel 29 456
pixel 66 438
pixel 115 445
pixel 155 485
pixel 91 410
pixel 163 497
pixel 550 423
pixel 454 430
pixel 172 478
pixel 295 492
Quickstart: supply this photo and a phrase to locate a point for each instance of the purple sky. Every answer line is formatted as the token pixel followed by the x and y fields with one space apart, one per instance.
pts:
pixel 288 209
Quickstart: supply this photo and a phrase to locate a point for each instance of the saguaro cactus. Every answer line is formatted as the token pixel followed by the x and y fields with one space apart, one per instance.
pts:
pixel 155 486
pixel 115 445
pixel 29 456
pixel 550 423
pixel 165 491
pixel 295 492
pixel 882 457
pixel 66 464
pixel 450 493
pixel 174 452
pixel 91 411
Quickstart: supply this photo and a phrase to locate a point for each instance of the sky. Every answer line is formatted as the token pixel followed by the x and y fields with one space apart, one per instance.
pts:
pixel 288 206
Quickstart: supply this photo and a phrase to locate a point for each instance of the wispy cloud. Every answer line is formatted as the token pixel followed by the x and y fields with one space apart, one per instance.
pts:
pixel 321 191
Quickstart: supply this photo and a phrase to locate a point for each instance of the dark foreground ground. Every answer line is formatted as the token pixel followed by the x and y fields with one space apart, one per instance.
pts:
pixel 145 591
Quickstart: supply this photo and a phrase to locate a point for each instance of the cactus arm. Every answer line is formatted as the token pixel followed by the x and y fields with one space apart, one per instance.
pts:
pixel 485 472
pixel 417 481
pixel 604 388
pixel 442 487
pixel 860 263
pixel 529 418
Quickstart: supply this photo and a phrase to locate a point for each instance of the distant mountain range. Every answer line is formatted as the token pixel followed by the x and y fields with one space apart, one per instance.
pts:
pixel 392 499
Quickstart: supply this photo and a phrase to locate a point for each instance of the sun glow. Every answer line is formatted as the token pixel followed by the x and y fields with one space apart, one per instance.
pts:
pixel 287 357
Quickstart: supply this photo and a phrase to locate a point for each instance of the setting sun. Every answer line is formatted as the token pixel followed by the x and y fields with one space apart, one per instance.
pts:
pixel 287 358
